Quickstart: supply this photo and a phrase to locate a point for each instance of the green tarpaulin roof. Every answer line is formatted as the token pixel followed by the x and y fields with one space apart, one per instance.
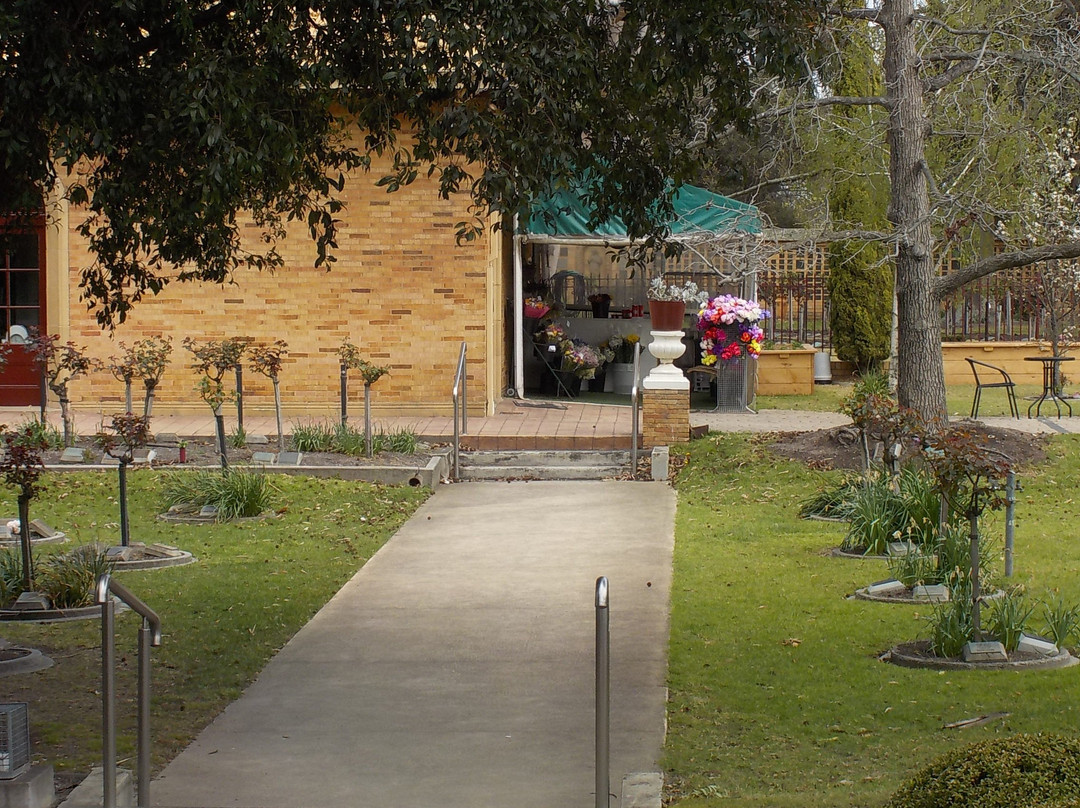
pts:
pixel 696 210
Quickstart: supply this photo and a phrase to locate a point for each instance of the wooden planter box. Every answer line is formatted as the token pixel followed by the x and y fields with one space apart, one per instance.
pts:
pixel 1009 356
pixel 786 373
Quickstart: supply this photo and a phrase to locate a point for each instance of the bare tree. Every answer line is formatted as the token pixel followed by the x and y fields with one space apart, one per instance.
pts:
pixel 971 95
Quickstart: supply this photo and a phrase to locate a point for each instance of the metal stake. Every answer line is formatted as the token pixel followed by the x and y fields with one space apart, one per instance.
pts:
pixel 344 393
pixel 143 736
pixel 603 695
pixel 1010 521
pixel 108 702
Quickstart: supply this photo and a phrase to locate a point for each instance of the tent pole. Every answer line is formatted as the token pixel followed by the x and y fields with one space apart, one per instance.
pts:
pixel 519 313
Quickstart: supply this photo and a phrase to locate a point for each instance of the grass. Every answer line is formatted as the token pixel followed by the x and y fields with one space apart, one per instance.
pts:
pixel 777 697
pixel 254 585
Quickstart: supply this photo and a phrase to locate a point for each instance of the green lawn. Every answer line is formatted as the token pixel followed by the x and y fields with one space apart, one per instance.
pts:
pixel 777 697
pixel 254 585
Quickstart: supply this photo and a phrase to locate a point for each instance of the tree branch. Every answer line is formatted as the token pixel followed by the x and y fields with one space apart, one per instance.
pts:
pixel 777 181
pixel 949 283
pixel 828 101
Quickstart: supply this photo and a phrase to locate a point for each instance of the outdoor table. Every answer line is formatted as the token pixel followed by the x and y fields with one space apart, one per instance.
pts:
pixel 1050 365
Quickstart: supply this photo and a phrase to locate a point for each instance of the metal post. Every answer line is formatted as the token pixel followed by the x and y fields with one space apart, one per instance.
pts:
pixel 635 437
pixel 143 736
pixel 344 393
pixel 976 593
pixel 240 398
pixel 1010 521
pixel 603 695
pixel 367 418
pixel 125 536
pixel 108 699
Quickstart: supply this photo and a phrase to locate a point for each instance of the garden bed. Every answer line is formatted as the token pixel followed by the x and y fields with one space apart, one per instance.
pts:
pixel 917 655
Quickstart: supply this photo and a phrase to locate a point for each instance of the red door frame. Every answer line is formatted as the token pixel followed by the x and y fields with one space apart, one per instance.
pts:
pixel 20 378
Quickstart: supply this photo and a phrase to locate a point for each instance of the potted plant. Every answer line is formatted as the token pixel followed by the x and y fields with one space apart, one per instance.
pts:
pixel 601 304
pixel 622 364
pixel 667 302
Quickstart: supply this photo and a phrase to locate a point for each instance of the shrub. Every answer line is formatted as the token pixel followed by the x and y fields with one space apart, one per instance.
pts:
pixel 69 578
pixel 402 441
pixel 951 625
pixel 1061 619
pixel 912 569
pixel 235 493
pixel 11 578
pixel 860 295
pixel 313 437
pixel 1009 615
pixel 1023 771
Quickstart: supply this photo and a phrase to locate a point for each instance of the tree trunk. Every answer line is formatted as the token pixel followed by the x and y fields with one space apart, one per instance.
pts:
pixel 219 425
pixel 125 536
pixel 920 372
pixel 69 421
pixel 127 396
pixel 26 545
pixel 148 402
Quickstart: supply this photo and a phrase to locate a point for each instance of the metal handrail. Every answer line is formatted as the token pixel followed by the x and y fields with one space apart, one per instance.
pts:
pixel 634 415
pixel 461 408
pixel 603 695
pixel 149 635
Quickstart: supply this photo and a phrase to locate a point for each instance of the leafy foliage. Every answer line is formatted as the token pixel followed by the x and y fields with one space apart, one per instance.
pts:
pixel 235 493
pixel 1024 771
pixel 129 432
pixel 351 359
pixel 268 359
pixel 68 578
pixel 265 107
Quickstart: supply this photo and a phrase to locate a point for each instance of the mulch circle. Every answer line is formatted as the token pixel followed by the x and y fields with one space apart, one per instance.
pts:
pixel 917 655
pixel 840 552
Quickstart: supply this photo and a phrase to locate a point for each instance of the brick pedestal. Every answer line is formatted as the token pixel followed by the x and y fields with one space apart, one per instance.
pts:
pixel 665 417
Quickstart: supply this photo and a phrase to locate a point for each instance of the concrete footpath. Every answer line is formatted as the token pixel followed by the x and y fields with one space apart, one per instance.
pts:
pixel 456 669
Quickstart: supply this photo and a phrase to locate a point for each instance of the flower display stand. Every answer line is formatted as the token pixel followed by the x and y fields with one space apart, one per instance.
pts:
pixel 734 384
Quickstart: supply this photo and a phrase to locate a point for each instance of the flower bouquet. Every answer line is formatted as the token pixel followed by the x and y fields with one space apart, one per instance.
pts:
pixel 581 359
pixel 535 307
pixel 623 347
pixel 551 334
pixel 729 329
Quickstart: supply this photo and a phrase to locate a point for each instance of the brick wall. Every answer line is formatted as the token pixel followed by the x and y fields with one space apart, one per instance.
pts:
pixel 401 289
pixel 665 417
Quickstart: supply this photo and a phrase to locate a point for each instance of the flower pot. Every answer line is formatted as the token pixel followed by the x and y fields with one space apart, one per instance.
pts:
pixel 183 454
pixel 596 383
pixel 622 377
pixel 667 315
pixel 600 309
pixel 571 384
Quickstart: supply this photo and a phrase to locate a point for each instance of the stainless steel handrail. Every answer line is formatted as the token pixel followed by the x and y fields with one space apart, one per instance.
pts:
pixel 149 635
pixel 603 695
pixel 461 408
pixel 634 426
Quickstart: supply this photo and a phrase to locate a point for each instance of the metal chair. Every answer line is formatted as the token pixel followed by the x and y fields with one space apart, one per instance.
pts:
pixel 980 385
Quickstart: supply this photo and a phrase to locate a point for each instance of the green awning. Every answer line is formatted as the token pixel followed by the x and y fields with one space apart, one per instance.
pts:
pixel 696 210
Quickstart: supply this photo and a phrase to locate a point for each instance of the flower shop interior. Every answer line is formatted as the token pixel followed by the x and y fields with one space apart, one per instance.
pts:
pixel 581 306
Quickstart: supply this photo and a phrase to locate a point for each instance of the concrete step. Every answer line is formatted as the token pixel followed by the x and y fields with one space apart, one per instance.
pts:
pixel 572 457
pixel 544 465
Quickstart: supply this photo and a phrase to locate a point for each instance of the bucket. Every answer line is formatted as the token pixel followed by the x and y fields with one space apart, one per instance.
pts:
pixel 822 367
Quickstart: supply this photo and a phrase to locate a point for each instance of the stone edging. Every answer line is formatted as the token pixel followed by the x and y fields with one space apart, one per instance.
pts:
pixel 55 615
pixel 32 660
pixel 897 656
pixel 180 558
pixel 436 469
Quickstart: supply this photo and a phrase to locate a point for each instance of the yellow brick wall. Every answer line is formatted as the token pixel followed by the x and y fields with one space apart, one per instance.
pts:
pixel 401 289
pixel 665 417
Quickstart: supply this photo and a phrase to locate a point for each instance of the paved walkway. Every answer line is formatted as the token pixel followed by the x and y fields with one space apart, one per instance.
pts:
pixel 456 669
pixel 518 425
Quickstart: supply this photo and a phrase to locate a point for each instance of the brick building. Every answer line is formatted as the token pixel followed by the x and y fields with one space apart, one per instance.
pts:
pixel 401 289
